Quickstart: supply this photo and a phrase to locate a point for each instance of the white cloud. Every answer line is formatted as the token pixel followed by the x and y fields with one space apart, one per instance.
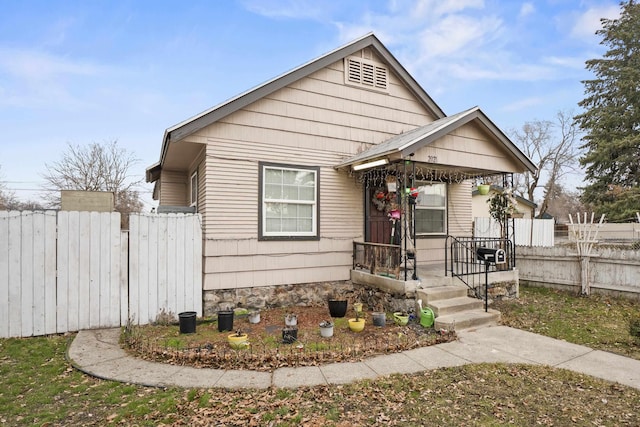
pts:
pixel 523 104
pixel 588 22
pixel 33 78
pixel 438 8
pixel 526 9
pixel 565 61
pixel 441 41
pixel 457 34
pixel 291 9
pixel 36 65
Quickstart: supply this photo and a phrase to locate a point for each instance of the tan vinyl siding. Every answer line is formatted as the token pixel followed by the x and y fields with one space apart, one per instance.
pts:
pixel 470 147
pixel 174 187
pixel 316 121
pixel 199 166
pixel 460 219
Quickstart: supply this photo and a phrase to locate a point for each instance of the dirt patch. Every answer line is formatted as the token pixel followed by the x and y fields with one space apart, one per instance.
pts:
pixel 266 351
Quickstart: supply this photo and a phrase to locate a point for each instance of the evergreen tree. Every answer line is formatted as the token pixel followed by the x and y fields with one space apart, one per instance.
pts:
pixel 611 119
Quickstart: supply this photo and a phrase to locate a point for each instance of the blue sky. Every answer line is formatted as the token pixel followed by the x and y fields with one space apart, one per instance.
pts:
pixel 94 71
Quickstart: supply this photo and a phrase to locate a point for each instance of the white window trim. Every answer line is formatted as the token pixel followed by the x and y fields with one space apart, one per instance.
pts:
pixel 432 208
pixel 313 234
pixel 193 201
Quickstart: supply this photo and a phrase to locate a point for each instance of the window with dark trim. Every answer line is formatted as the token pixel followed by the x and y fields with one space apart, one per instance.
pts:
pixel 288 202
pixel 431 209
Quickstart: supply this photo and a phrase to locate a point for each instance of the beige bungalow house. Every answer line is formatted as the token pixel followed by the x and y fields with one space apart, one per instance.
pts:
pixel 345 148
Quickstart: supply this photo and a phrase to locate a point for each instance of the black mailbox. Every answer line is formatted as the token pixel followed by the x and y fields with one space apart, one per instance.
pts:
pixel 491 256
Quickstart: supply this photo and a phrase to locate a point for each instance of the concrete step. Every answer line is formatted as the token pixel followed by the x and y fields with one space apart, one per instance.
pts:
pixel 467 320
pixel 430 294
pixel 435 281
pixel 445 307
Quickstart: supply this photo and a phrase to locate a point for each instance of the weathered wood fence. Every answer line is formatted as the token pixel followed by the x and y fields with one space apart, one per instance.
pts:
pixel 66 271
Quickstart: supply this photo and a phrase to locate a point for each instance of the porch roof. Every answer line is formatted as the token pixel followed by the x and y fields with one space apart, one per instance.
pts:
pixel 403 145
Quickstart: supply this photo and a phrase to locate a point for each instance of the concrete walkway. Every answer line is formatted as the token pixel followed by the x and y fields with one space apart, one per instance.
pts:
pixel 98 353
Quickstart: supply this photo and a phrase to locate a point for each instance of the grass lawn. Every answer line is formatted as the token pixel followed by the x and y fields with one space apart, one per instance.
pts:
pixel 37 386
pixel 597 321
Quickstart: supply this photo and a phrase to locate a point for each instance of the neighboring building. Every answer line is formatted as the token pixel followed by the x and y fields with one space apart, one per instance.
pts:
pixel 80 200
pixel 480 206
pixel 288 175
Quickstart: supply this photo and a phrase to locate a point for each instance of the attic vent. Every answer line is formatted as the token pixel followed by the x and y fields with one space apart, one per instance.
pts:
pixel 366 73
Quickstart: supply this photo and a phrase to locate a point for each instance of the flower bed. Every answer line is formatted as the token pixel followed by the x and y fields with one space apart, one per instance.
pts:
pixel 208 348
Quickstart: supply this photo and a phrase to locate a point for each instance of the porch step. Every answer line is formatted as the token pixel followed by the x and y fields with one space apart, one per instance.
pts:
pixel 436 293
pixel 467 320
pixel 445 307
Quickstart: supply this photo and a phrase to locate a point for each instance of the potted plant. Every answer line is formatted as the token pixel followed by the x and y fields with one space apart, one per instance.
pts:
pixel 337 305
pixel 326 329
pixel 379 317
pixel 484 188
pixel 254 316
pixel 289 334
pixel 290 319
pixel 501 206
pixel 357 306
pixel 238 340
pixel 357 324
pixel 401 318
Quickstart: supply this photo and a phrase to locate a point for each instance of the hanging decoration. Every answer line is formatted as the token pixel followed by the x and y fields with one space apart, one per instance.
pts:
pixel 391 183
pixel 384 201
pixel 388 177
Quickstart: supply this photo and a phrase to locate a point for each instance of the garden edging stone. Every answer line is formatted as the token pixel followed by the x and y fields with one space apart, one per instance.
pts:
pixel 97 352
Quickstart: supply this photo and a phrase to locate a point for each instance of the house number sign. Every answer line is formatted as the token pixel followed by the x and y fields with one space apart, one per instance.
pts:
pixel 432 159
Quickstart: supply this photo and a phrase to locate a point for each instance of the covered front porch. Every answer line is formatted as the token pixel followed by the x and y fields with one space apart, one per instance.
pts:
pixel 418 222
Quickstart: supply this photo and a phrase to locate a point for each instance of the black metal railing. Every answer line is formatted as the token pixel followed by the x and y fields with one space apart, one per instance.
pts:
pixel 377 258
pixel 461 258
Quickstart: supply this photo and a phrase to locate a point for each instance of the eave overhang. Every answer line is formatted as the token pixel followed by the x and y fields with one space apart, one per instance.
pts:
pixel 403 146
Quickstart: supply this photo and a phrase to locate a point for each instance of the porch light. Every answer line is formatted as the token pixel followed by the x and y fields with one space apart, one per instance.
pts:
pixel 371 164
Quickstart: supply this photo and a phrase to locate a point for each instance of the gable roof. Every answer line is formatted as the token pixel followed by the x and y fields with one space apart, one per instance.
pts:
pixel 409 142
pixel 210 116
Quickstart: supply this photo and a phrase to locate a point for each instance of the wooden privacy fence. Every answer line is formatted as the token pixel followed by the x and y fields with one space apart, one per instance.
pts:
pixel 165 265
pixel 528 232
pixel 66 271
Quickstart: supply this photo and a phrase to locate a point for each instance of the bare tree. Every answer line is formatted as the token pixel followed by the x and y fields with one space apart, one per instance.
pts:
pixel 563 203
pixel 553 148
pixel 8 198
pixel 95 167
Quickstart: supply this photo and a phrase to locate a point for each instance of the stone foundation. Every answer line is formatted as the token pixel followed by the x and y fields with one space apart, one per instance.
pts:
pixel 307 294
pixel 500 290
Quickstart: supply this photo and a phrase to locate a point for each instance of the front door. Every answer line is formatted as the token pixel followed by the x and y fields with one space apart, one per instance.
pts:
pixel 378 224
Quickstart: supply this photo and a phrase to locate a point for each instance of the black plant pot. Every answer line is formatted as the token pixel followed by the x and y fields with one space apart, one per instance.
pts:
pixel 337 308
pixel 187 322
pixel 225 320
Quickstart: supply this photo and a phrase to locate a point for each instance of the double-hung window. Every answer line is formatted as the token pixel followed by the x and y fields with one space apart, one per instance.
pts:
pixel 288 202
pixel 431 209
